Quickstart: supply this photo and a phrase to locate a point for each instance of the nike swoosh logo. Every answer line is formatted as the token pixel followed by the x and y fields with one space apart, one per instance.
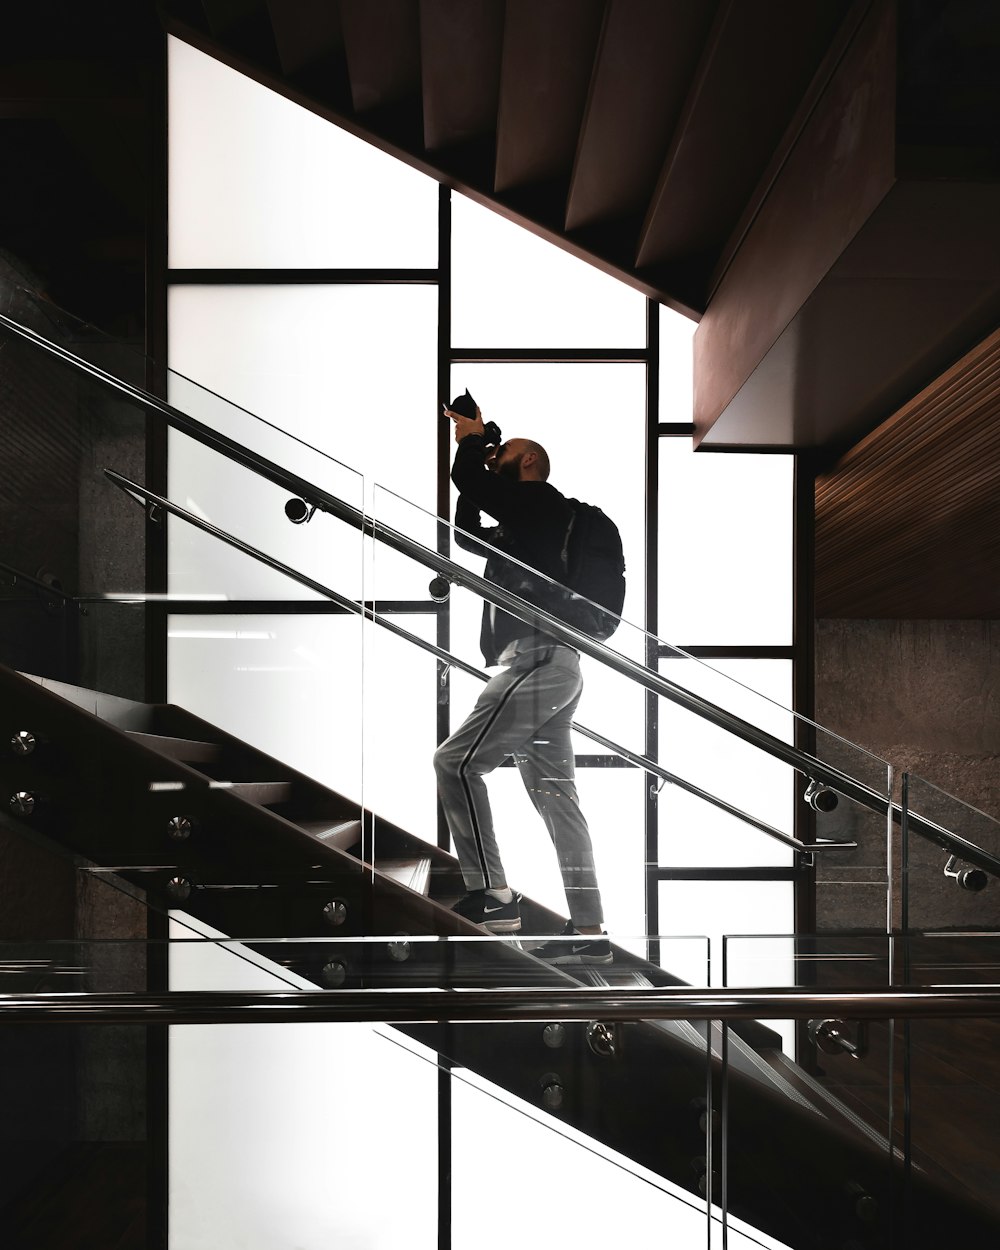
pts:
pixel 488 911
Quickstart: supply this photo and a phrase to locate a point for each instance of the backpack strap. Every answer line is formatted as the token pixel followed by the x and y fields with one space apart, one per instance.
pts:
pixel 564 554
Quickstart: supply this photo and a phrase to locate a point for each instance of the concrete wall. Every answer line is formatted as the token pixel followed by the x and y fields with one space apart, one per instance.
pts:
pixel 924 695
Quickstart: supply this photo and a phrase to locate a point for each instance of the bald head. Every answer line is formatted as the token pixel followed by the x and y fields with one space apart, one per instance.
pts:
pixel 522 459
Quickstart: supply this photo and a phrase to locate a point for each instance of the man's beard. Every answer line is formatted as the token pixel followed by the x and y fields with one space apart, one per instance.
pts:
pixel 509 468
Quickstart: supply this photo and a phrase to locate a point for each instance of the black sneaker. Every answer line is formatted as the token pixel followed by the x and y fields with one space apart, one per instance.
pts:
pixel 573 947
pixel 483 908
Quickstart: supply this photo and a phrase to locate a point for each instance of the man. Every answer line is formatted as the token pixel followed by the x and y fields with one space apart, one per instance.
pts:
pixel 527 709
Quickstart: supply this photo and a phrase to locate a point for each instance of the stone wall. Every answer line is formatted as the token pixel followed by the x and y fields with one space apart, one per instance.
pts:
pixel 925 696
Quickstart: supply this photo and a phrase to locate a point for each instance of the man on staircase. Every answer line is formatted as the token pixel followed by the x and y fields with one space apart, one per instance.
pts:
pixel 526 710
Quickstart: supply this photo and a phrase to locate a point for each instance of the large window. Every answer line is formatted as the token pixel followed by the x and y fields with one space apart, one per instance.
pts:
pixel 307 289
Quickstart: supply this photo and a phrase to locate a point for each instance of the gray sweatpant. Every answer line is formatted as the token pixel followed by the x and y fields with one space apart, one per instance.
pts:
pixel 525 711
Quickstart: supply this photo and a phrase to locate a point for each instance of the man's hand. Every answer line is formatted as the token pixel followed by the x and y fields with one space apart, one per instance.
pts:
pixel 466 425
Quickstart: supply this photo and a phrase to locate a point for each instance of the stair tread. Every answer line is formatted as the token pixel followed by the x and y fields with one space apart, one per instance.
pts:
pixel 341 833
pixel 413 872
pixel 262 792
pixel 188 750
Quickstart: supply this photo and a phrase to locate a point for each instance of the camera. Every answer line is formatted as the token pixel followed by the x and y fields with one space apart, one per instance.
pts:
pixel 466 406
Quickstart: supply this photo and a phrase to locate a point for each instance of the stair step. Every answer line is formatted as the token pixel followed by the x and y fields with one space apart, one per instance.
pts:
pixel 415 874
pixel 342 834
pixel 263 793
pixel 186 750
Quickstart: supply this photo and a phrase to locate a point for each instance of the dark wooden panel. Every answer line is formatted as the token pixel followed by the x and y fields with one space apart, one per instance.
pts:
pixel 382 41
pixel 305 32
pixel 908 522
pixel 836 174
pixel 760 59
pixel 245 25
pixel 548 58
pixel 461 44
pixel 917 287
pixel 646 59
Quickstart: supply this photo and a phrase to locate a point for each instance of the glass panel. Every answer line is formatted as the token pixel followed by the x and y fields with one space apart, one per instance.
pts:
pixel 827 1155
pixel 726 524
pixel 633 1200
pixel 254 1170
pixel 747 906
pixel 510 288
pixel 351 371
pixel 951 861
pixel 289 685
pixel 952 1107
pixel 694 833
pixel 572 410
pixel 259 182
pixel 748 785
pixel 676 367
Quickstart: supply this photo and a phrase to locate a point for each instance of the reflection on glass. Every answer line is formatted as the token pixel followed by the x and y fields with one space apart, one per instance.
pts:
pixel 259 182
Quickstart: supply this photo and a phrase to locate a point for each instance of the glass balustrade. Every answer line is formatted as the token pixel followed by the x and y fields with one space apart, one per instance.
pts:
pixel 945 884
pixel 723 763
pixel 289 1134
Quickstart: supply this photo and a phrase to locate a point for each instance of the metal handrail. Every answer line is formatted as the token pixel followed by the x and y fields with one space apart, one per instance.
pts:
pixel 415 1006
pixel 36 583
pixel 800 760
pixel 143 494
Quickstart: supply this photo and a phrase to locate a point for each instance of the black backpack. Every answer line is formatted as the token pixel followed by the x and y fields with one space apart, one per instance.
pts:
pixel 594 568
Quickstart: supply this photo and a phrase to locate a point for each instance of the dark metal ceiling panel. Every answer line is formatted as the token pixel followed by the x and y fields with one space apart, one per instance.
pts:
pixel 647 56
pixel 548 59
pixel 760 59
pixel 908 522
pixel 382 40
pixel 461 45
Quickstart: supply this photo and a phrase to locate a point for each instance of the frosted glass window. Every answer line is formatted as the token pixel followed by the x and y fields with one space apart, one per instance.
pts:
pixel 513 289
pixel 591 418
pixel 259 182
pixel 553 1164
pixel 254 1162
pixel 251 509
pixel 692 832
pixel 715 908
pixel 289 685
pixel 401 685
pixel 725 565
pixel 676 366
pixel 351 370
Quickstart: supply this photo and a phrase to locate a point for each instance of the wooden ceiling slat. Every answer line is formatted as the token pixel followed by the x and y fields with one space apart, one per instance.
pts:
pixel 908 521
pixel 382 42
pixel 306 32
pixel 759 60
pixel 648 53
pixel 548 59
pixel 461 47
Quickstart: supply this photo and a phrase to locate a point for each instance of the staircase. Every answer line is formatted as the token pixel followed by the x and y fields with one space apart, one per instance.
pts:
pixel 202 824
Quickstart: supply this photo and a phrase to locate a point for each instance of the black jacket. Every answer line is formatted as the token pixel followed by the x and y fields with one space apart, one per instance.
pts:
pixel 533 519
